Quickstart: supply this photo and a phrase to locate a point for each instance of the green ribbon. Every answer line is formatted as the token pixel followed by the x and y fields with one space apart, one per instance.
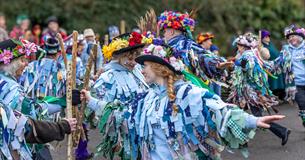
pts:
pixel 195 80
pixel 54 100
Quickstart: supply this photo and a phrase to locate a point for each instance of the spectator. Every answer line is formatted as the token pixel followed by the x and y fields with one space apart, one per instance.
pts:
pixel 23 24
pixel 3 32
pixel 52 30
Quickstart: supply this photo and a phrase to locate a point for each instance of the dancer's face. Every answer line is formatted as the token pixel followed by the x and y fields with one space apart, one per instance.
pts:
pixel 207 44
pixel 266 39
pixel 23 63
pixel 149 74
pixel 128 59
pixel 295 40
pixel 168 34
pixel 240 48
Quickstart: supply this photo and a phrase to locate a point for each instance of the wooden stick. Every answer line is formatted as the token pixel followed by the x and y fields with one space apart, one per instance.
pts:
pixel 75 112
pixel 106 39
pixel 122 27
pixel 260 40
pixel 63 51
pixel 74 56
pixel 106 42
pixel 86 86
pixel 95 57
pixel 69 107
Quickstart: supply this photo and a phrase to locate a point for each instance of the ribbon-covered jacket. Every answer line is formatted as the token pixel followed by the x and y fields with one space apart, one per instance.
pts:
pixel 116 90
pixel 45 77
pixel 284 64
pixel 197 60
pixel 14 126
pixel 203 124
pixel 249 83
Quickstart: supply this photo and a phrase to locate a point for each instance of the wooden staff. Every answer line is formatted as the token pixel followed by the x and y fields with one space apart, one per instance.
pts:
pixel 106 39
pixel 260 40
pixel 86 86
pixel 63 51
pixel 95 57
pixel 75 137
pixel 69 111
pixel 74 56
pixel 122 27
pixel 106 42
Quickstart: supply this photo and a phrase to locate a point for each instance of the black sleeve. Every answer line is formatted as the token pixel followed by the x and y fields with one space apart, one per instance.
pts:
pixel 44 131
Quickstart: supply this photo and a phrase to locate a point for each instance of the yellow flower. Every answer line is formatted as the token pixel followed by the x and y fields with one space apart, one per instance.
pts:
pixel 115 45
pixel 147 40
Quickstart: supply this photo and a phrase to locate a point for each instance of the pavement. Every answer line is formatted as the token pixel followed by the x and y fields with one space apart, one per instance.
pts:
pixel 265 145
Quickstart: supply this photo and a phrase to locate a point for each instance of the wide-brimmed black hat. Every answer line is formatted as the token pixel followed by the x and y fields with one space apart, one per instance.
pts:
pixel 11 49
pixel 9 45
pixel 52 46
pixel 295 33
pixel 157 59
pixel 293 30
pixel 129 48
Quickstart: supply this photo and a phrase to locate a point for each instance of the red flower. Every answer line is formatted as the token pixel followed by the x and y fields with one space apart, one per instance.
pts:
pixel 176 25
pixel 136 38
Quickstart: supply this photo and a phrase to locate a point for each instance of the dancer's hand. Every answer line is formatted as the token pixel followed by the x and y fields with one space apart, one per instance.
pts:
pixel 264 121
pixel 85 95
pixel 72 123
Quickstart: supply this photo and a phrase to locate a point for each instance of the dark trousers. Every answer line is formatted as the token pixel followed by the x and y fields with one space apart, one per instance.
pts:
pixel 275 128
pixel 279 93
pixel 300 97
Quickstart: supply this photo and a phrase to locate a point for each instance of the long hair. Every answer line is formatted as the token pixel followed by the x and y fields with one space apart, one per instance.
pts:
pixel 171 77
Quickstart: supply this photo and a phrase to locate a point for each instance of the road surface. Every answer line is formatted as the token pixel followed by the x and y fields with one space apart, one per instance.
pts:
pixel 265 145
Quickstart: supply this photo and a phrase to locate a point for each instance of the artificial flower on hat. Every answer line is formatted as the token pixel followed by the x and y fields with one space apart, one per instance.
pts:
pixel 248 40
pixel 294 30
pixel 124 43
pixel 11 49
pixel 176 20
pixel 162 54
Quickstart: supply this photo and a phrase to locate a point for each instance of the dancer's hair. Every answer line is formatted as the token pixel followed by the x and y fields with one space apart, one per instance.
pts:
pixel 171 77
pixel 13 67
pixel 130 54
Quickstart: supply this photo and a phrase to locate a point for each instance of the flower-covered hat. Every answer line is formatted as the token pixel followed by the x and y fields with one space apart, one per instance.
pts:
pixel 294 30
pixel 11 49
pixel 124 43
pixel 176 20
pixel 161 54
pixel 204 36
pixel 248 40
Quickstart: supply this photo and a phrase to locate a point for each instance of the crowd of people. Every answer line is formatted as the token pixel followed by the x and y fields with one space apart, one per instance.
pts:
pixel 168 96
